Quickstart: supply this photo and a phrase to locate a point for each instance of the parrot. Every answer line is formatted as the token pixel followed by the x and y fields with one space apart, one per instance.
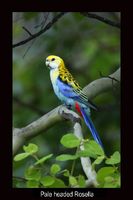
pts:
pixel 70 93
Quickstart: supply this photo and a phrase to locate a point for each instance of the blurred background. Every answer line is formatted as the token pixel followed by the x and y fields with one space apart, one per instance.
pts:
pixel 90 49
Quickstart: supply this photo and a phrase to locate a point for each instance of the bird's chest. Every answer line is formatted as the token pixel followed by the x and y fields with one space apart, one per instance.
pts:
pixel 54 76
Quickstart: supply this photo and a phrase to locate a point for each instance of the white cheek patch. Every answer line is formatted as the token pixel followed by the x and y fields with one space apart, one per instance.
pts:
pixel 54 65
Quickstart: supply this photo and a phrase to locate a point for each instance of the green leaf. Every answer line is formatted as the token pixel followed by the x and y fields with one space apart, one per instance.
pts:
pixel 43 159
pixel 81 181
pixel 32 173
pixel 70 141
pixel 93 149
pixel 109 185
pixel 86 153
pixel 98 160
pixel 110 182
pixel 47 181
pixel 20 185
pixel 32 184
pixel 66 173
pixel 30 148
pixel 104 172
pixel 114 159
pixel 114 179
pixel 21 156
pixel 55 168
pixel 108 179
pixel 65 157
pixel 58 184
pixel 119 181
pixel 72 181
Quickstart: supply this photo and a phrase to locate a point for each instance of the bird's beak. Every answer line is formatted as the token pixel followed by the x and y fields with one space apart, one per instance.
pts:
pixel 47 64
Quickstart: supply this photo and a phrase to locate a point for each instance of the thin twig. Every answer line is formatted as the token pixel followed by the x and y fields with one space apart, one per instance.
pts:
pixel 43 22
pixel 48 26
pixel 112 78
pixel 102 19
pixel 29 47
pixel 74 162
pixel 20 178
pixel 42 26
pixel 27 31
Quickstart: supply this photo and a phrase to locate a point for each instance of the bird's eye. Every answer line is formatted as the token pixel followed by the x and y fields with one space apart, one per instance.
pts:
pixel 52 59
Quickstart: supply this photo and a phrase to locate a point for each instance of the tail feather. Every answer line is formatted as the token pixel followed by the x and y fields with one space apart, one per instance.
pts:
pixel 91 126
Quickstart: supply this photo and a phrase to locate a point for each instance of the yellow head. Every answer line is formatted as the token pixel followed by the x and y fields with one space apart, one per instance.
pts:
pixel 54 62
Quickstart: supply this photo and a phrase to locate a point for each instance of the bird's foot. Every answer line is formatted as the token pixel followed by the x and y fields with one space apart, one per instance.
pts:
pixel 68 106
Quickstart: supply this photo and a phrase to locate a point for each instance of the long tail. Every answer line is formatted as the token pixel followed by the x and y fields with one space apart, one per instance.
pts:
pixel 91 126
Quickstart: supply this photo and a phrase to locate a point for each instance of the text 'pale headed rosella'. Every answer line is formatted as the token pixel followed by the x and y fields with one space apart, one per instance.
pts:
pixel 69 92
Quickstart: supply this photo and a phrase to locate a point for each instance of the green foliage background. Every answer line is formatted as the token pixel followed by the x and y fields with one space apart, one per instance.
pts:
pixel 89 48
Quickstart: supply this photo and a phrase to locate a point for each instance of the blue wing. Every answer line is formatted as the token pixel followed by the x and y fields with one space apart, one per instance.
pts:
pixel 76 94
pixel 66 89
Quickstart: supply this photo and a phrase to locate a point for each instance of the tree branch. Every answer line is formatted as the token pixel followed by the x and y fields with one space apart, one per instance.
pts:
pixel 32 36
pixel 102 19
pixel 55 19
pixel 33 129
pixel 85 162
pixel 102 85
pixel 20 135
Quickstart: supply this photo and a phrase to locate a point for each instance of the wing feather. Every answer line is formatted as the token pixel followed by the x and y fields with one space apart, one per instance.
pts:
pixel 77 94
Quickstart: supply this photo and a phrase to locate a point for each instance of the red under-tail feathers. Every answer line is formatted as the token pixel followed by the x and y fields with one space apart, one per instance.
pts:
pixel 77 107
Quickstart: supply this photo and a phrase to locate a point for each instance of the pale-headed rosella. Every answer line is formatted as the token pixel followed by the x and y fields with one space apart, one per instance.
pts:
pixel 69 92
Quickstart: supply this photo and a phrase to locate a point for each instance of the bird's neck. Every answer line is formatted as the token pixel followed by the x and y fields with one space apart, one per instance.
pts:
pixel 58 72
pixel 54 73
